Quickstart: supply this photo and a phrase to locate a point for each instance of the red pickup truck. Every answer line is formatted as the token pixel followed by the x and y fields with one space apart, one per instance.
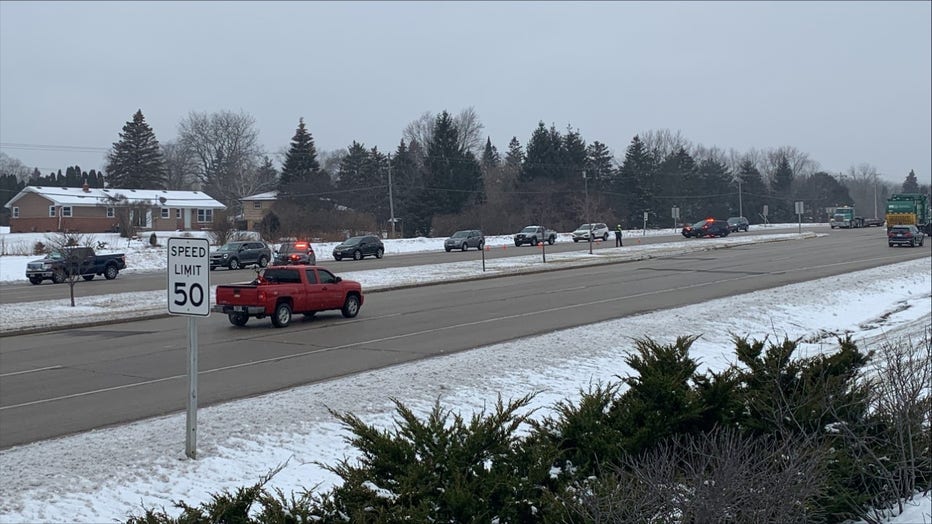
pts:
pixel 280 291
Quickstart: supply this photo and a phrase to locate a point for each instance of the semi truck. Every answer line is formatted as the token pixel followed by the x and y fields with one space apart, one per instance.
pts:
pixel 845 217
pixel 909 209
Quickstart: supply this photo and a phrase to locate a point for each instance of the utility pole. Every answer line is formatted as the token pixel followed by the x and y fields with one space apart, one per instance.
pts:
pixel 586 184
pixel 740 206
pixel 391 201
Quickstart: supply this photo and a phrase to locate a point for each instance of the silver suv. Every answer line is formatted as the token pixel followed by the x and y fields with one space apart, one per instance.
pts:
pixel 464 240
pixel 599 230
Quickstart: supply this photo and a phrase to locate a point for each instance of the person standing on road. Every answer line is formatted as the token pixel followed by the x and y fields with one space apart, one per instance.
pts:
pixel 618 242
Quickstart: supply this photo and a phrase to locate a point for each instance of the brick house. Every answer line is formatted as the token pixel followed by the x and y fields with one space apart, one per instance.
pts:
pixel 255 207
pixel 93 210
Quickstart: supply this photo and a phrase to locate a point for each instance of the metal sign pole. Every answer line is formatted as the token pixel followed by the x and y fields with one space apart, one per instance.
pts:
pixel 190 441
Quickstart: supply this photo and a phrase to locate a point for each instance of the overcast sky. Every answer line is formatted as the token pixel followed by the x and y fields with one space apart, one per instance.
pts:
pixel 846 82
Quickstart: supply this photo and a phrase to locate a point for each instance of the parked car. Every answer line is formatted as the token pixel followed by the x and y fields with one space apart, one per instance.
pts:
pixel 905 235
pixel 707 228
pixel 280 291
pixel 599 231
pixel 535 234
pixel 738 224
pixel 464 240
pixel 58 265
pixel 295 252
pixel 234 255
pixel 359 247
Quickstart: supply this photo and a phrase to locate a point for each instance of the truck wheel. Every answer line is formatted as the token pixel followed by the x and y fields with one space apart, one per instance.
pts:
pixel 263 261
pixel 551 240
pixel 35 280
pixel 111 272
pixel 282 316
pixel 234 264
pixel 357 255
pixel 517 244
pixel 351 306
pixel 379 252
pixel 605 237
pixel 58 277
pixel 88 277
pixel 238 319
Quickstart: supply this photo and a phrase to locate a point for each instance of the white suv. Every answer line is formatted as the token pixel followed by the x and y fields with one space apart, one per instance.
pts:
pixel 598 231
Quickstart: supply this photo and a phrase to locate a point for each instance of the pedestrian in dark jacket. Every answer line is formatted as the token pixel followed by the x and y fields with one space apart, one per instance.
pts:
pixel 618 242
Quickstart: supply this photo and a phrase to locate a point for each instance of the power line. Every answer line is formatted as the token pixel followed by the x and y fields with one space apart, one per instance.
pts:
pixel 53 147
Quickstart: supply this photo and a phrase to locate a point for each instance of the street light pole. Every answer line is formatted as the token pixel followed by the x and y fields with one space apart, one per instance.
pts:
pixel 391 201
pixel 740 206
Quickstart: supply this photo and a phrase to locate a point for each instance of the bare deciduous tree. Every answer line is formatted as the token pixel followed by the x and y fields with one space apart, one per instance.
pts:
pixel 663 142
pixel 70 250
pixel 225 146
pixel 180 166
pixel 468 127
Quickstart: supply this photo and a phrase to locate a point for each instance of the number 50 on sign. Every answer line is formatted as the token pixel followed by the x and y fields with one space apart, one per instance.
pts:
pixel 189 276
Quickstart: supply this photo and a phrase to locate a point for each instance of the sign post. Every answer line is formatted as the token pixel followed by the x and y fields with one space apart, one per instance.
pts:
pixel 189 295
pixel 675 213
pixel 799 214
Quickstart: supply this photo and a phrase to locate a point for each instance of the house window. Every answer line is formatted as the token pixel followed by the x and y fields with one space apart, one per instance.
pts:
pixel 165 211
pixel 15 212
pixel 257 204
pixel 51 211
pixel 178 214
pixel 205 215
pixel 111 212
pixel 66 211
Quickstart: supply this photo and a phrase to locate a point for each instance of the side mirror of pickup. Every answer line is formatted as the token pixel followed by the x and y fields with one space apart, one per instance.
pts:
pixel 338 280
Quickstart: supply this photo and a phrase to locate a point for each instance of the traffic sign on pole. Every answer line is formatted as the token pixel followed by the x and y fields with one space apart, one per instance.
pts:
pixel 189 276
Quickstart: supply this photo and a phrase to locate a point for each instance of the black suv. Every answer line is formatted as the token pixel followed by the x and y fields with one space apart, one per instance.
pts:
pixel 738 224
pixel 235 255
pixel 707 228
pixel 296 252
pixel 359 247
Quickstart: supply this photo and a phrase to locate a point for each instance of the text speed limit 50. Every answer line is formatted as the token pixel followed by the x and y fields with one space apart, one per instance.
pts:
pixel 189 276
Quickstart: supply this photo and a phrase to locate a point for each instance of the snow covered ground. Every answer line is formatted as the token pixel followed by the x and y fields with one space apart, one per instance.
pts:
pixel 109 474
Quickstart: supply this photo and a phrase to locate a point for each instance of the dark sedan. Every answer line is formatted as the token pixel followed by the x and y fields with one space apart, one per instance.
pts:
pixel 359 247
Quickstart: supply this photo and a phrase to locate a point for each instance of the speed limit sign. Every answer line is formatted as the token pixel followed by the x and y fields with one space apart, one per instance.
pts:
pixel 189 276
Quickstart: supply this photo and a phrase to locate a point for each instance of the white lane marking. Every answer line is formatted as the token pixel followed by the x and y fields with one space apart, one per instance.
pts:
pixel 30 371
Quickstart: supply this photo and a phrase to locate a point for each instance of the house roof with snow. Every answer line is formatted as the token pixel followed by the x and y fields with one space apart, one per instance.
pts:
pixel 268 195
pixel 95 196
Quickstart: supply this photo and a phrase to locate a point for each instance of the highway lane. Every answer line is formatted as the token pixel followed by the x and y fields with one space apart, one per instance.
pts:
pixel 73 380
pixel 11 293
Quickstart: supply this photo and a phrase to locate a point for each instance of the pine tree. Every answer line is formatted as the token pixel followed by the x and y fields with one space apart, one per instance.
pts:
pixel 911 184
pixel 135 162
pixel 754 192
pixel 352 178
pixel 632 184
pixel 599 163
pixel 572 156
pixel 301 163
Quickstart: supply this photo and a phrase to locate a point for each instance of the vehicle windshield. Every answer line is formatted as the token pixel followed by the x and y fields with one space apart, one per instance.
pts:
pixel 229 247
pixel 699 223
pixel 352 241
pixel 460 234
pixel 585 227
pixel 55 255
pixel 529 230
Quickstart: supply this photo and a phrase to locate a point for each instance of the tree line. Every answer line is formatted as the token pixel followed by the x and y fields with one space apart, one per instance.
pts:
pixel 446 175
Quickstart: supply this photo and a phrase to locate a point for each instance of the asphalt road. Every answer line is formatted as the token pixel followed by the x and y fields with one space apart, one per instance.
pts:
pixel 11 293
pixel 73 380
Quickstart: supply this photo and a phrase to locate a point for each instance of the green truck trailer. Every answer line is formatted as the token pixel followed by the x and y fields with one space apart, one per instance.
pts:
pixel 909 209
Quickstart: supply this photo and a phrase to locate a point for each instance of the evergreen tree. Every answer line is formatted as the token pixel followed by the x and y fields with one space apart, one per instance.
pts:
pixel 716 182
pixel 822 191
pixel 599 164
pixel 911 184
pixel 406 182
pixel 352 178
pixel 490 157
pixel 572 157
pixel 782 208
pixel 452 172
pixel 301 163
pixel 542 158
pixel 632 184
pixel 135 161
pixel 754 192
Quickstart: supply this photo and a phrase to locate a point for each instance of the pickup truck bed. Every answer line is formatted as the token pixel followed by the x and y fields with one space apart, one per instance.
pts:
pixel 281 291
